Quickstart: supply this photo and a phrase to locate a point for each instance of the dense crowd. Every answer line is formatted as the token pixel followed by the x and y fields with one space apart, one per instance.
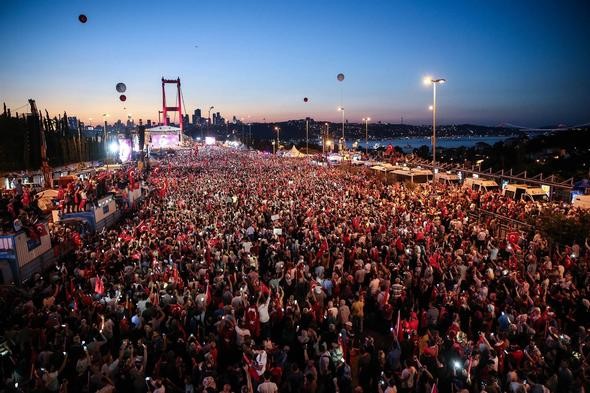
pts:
pixel 83 193
pixel 19 209
pixel 522 210
pixel 243 272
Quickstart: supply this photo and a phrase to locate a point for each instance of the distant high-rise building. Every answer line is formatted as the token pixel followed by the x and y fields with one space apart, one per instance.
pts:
pixel 197 117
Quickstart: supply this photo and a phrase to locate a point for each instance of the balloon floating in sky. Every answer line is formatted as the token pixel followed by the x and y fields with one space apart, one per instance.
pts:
pixel 123 97
pixel 340 77
pixel 305 99
pixel 121 87
pixel 82 18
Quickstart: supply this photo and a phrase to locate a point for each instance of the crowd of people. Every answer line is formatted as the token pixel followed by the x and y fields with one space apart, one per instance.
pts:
pixel 244 272
pixel 19 209
pixel 523 210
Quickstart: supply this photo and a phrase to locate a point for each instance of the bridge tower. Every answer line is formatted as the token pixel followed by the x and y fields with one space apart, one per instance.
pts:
pixel 166 108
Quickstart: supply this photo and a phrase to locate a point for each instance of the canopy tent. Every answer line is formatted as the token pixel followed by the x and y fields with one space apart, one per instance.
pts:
pixel 294 153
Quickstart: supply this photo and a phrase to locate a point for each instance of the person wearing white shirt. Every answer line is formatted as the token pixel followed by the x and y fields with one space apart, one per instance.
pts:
pixel 264 317
pixel 267 386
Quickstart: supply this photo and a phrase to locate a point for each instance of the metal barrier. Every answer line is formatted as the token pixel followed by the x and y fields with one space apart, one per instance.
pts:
pixel 505 224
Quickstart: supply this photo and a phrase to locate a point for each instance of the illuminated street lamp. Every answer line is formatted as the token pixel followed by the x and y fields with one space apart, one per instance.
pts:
pixel 366 120
pixel 341 109
pixel 104 116
pixel 325 137
pixel 434 82
pixel 278 144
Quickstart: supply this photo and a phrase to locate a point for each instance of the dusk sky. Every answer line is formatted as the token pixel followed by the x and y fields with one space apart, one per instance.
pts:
pixel 520 62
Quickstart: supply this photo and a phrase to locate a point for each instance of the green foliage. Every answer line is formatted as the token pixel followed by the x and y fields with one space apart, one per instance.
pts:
pixel 562 229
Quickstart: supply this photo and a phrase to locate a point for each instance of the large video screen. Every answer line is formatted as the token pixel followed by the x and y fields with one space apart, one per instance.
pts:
pixel 163 141
pixel 124 150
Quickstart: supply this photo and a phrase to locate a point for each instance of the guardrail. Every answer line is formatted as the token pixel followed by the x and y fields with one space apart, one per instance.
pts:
pixel 505 224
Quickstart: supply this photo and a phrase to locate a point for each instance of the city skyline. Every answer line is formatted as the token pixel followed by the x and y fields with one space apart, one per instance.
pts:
pixel 505 63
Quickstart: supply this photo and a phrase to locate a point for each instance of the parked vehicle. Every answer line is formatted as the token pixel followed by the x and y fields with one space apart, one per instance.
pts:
pixel 526 192
pixel 582 201
pixel 483 185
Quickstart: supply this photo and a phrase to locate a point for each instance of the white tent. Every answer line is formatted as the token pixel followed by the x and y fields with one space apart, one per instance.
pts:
pixel 294 153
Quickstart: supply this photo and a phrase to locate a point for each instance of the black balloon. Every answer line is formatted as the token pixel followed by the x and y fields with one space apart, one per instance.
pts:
pixel 82 18
pixel 305 99
pixel 121 87
pixel 123 97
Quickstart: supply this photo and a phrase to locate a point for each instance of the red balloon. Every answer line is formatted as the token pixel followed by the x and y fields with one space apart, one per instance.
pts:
pixel 305 99
pixel 82 18
pixel 123 97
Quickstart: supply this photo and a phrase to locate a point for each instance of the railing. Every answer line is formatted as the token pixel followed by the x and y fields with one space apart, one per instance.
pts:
pixel 505 224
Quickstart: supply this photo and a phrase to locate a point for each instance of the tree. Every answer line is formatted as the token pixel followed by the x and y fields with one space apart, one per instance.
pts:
pixel 562 229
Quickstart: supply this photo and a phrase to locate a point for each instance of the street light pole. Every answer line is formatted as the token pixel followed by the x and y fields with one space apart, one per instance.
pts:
pixel 341 109
pixel 307 135
pixel 278 140
pixel 367 135
pixel 209 120
pixel 242 137
pixel 104 131
pixel 434 123
pixel 434 82
pixel 325 138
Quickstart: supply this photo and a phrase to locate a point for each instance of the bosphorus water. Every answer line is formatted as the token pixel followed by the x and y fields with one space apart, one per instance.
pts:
pixel 410 143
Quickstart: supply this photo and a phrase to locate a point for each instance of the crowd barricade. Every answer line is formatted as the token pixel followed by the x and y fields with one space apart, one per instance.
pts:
pixel 505 224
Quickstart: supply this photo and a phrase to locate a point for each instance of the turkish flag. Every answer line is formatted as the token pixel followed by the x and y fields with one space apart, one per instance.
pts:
pixel 323 248
pixel 513 237
pixel 99 286
pixel 41 231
